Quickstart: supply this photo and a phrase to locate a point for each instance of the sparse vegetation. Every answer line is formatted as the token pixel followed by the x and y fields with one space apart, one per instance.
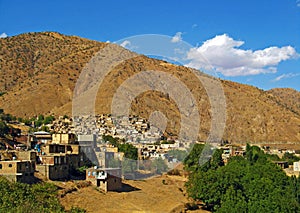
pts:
pixel 52 59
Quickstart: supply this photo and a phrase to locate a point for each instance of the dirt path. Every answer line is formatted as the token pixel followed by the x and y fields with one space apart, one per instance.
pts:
pixel 159 194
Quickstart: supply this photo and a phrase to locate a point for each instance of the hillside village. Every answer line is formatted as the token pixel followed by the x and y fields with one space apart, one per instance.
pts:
pixel 149 106
pixel 61 153
pixel 38 145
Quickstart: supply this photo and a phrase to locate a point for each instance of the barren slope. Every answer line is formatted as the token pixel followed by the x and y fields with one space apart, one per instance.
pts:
pixel 149 195
pixel 39 72
pixel 290 98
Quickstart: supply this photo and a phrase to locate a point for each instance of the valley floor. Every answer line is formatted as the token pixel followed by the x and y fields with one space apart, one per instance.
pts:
pixel 158 194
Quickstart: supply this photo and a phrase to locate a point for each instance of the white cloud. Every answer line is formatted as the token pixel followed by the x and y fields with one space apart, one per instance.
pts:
pixel 223 54
pixel 125 44
pixel 3 35
pixel 288 75
pixel 177 37
pixel 298 3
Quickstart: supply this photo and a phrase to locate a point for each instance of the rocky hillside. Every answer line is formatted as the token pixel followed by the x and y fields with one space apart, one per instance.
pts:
pixel 38 73
pixel 39 70
pixel 290 98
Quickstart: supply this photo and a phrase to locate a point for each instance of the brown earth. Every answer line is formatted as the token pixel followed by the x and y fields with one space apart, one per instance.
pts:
pixel 290 98
pixel 159 194
pixel 38 72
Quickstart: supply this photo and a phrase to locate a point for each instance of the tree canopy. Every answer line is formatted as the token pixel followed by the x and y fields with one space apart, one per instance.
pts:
pixel 246 184
pixel 19 197
pixel 129 150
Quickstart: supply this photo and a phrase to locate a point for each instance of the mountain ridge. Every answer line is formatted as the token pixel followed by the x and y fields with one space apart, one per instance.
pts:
pixel 39 72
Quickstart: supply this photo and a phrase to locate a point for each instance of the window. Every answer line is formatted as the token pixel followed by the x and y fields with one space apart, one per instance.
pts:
pixel 0 166
pixel 10 165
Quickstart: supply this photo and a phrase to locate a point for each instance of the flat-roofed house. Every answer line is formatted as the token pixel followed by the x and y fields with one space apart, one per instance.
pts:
pixel 107 179
pixel 18 170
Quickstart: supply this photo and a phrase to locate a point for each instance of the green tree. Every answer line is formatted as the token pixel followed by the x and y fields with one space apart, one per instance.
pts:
pixel 45 128
pixel 18 197
pixel 203 157
pixel 113 141
pixel 129 150
pixel 3 128
pixel 48 120
pixel 246 184
pixel 290 158
pixel 40 118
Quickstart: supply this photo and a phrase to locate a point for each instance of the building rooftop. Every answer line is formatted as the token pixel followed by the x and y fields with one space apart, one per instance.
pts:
pixel 41 133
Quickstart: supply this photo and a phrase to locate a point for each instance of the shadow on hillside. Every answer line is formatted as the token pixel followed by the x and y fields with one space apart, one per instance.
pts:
pixel 140 176
pixel 127 188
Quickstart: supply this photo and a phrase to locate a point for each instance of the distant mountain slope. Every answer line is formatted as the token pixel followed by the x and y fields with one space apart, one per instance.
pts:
pixel 290 98
pixel 38 72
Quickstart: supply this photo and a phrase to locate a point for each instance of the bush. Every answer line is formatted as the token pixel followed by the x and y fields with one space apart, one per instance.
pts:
pixel 19 197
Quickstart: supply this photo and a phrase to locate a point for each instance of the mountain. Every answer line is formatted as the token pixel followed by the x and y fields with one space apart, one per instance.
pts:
pixel 39 70
pixel 290 98
pixel 38 73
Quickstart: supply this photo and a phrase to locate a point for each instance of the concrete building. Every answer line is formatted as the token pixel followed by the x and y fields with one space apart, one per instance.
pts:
pixel 64 138
pixel 54 167
pixel 87 140
pixel 41 136
pixel 296 166
pixel 18 170
pixel 107 179
pixel 109 156
pixel 61 148
pixel 59 158
pixel 88 144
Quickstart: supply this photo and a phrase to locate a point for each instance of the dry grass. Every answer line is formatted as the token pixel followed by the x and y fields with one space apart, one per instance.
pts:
pixel 158 194
pixel 39 72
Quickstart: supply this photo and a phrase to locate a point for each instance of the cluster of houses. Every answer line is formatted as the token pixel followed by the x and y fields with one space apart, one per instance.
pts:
pixel 132 128
pixel 62 125
pixel 58 157
pixel 234 150
pixel 156 150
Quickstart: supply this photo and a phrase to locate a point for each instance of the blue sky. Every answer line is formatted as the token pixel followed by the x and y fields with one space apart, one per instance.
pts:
pixel 253 42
